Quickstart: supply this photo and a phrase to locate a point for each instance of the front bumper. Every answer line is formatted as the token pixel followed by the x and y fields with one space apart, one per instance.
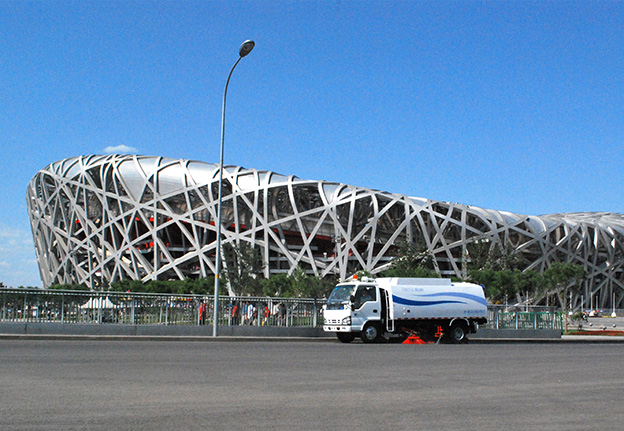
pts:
pixel 336 328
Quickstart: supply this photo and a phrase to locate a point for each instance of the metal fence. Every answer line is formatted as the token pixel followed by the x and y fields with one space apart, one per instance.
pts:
pixel 62 306
pixel 523 317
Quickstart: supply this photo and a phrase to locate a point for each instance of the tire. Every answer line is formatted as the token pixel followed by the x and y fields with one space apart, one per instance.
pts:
pixel 370 333
pixel 345 337
pixel 457 334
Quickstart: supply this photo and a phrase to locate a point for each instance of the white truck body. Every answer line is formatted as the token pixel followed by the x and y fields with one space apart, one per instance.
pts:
pixel 392 308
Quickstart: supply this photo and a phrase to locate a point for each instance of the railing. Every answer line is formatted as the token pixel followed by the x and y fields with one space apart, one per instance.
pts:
pixel 62 306
pixel 523 317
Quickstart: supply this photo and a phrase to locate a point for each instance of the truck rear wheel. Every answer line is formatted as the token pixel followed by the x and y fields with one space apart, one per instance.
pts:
pixel 370 333
pixel 345 337
pixel 457 334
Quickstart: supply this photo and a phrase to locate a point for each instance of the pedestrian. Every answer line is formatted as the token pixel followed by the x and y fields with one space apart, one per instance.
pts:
pixel 266 315
pixel 235 314
pixel 281 319
pixel 202 313
pixel 251 313
pixel 244 313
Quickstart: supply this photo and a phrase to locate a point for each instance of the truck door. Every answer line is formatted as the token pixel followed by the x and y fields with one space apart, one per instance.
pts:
pixel 386 320
pixel 366 306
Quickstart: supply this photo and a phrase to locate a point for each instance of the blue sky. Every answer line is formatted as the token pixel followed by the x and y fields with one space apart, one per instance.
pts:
pixel 508 105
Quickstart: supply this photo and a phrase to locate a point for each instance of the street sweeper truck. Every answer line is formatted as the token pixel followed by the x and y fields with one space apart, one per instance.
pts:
pixel 391 309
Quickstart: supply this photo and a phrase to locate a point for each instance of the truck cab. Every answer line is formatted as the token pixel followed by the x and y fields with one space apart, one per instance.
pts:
pixel 351 306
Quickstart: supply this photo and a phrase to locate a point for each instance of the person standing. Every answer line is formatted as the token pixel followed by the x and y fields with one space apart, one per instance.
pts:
pixel 235 313
pixel 202 313
pixel 251 314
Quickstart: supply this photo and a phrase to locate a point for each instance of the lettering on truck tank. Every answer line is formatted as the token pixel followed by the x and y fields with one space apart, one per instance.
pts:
pixel 411 289
pixel 473 312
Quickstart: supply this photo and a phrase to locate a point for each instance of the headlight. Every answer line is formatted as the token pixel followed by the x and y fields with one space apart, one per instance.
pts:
pixel 346 321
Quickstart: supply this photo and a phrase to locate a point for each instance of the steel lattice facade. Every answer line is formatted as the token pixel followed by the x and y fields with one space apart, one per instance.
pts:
pixel 100 219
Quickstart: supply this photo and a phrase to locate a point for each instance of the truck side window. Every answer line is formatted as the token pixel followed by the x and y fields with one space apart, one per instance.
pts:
pixel 363 295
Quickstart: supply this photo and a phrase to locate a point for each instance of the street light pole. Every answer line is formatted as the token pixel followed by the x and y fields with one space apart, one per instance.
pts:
pixel 245 49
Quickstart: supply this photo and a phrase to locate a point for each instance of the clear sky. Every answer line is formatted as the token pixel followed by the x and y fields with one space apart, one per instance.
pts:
pixel 508 105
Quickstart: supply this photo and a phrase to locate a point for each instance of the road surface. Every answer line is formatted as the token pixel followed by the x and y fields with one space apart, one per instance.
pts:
pixel 114 385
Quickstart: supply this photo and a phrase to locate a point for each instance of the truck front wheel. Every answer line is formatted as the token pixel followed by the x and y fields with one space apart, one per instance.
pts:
pixel 345 337
pixel 370 333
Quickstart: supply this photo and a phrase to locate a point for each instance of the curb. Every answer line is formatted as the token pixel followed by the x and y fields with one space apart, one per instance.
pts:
pixel 221 338
pixel 569 339
pixel 590 340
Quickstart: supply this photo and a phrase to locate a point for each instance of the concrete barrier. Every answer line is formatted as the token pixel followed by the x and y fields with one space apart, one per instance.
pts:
pixel 50 328
pixel 515 333
pixel 93 329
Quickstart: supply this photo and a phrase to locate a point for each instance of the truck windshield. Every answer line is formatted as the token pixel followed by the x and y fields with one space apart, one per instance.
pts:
pixel 339 295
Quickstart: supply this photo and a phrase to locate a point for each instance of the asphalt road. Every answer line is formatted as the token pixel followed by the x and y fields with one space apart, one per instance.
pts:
pixel 146 385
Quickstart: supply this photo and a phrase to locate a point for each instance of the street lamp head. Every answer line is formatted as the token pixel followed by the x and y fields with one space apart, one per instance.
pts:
pixel 246 48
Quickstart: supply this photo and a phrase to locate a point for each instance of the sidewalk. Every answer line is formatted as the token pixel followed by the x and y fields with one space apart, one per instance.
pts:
pixel 186 338
pixel 565 339
pixel 596 333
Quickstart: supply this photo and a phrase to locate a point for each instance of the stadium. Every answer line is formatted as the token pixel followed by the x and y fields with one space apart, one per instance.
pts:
pixel 100 219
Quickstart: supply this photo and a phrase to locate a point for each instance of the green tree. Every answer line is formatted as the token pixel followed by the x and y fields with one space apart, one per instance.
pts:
pixel 202 286
pixel 412 260
pixel 305 286
pixel 486 278
pixel 484 254
pixel 499 268
pixel 300 282
pixel 505 284
pixel 159 286
pixel 363 273
pixel 82 287
pixel 126 285
pixel 243 269
pixel 499 285
pixel 560 278
pixel 279 285
pixel 199 286
pixel 319 287
pixel 529 282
